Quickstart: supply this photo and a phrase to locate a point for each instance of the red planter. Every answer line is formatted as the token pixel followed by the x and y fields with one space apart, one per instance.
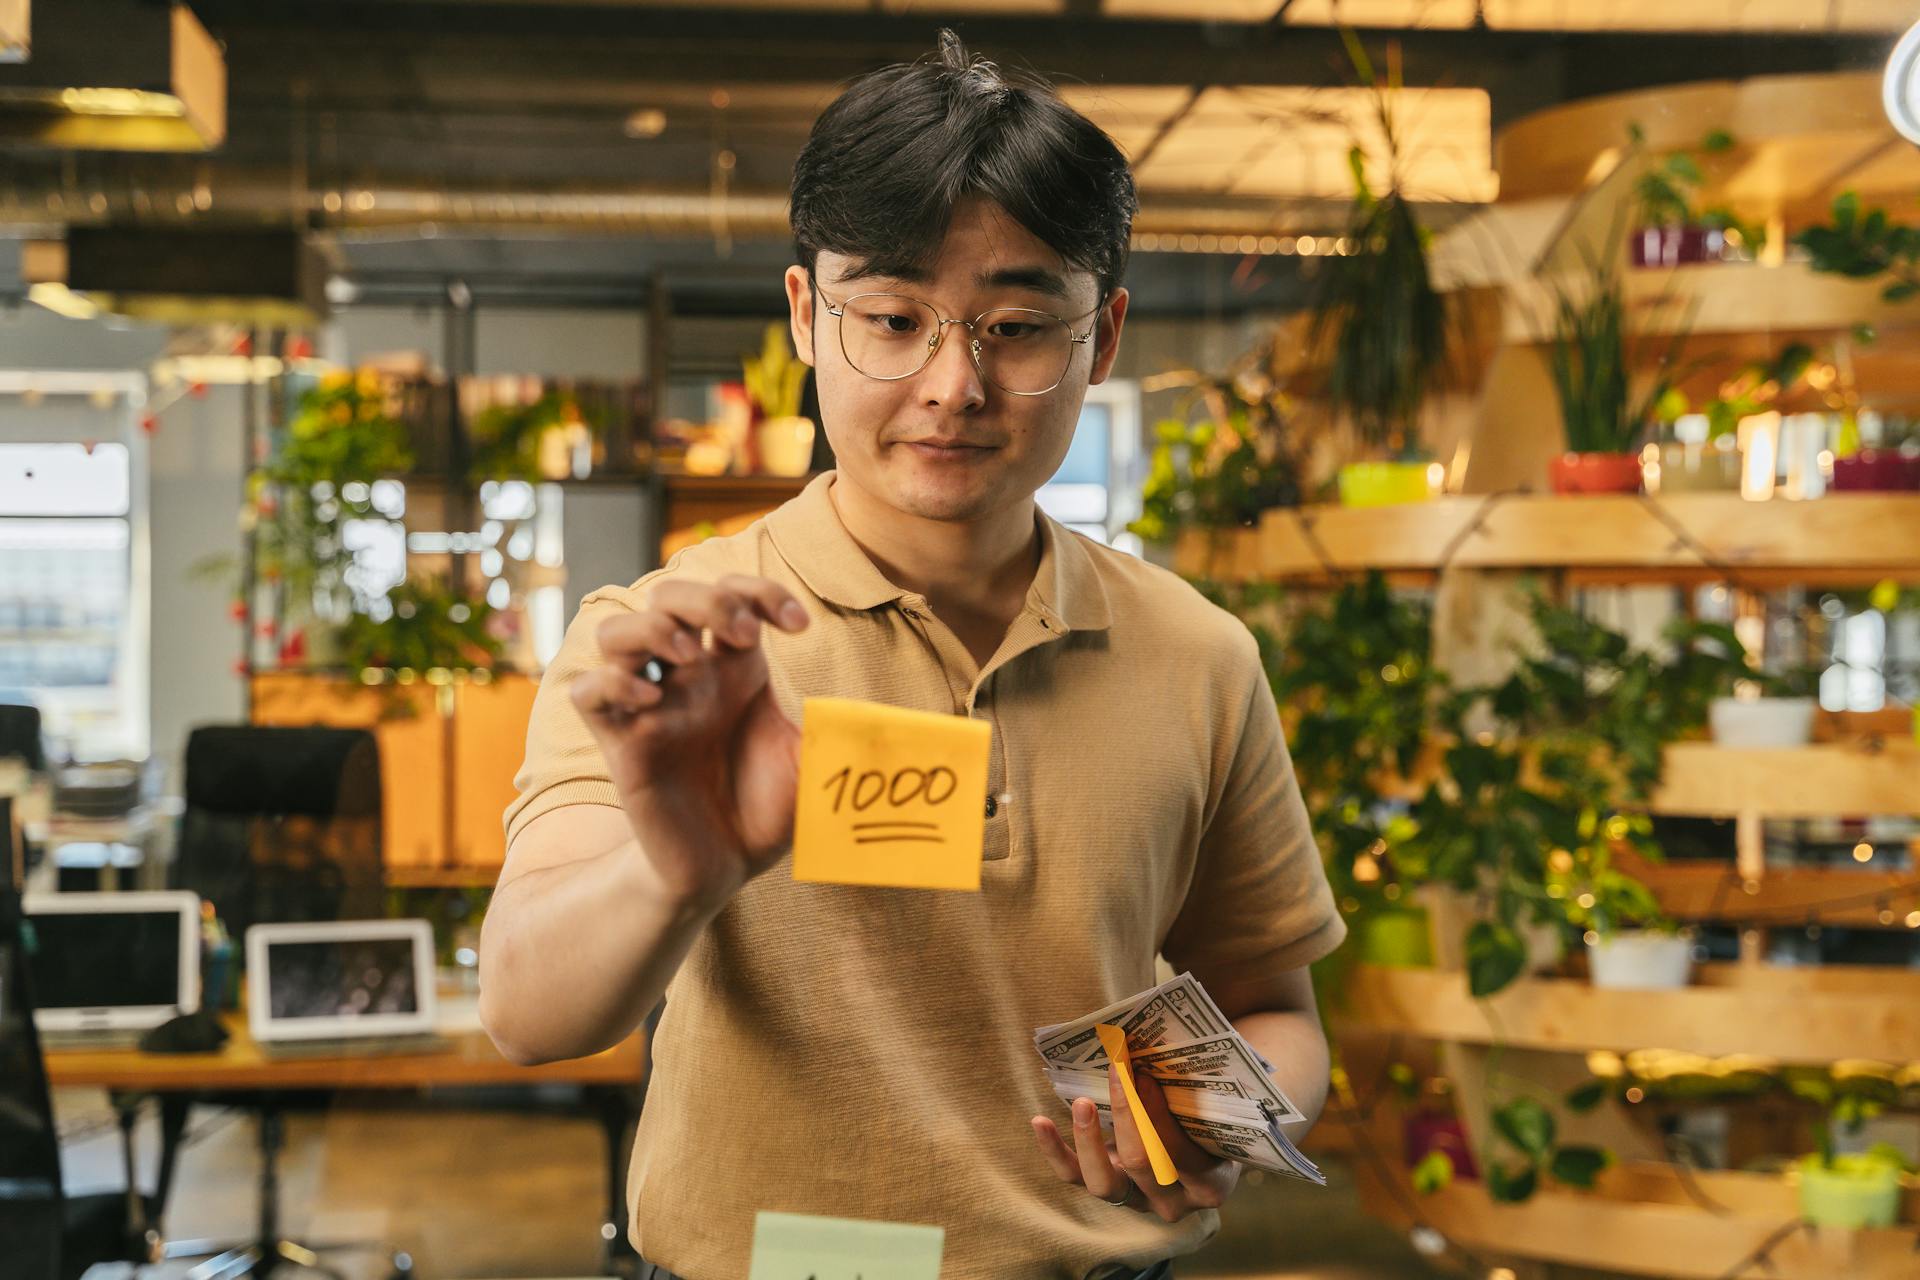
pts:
pixel 1676 246
pixel 1595 473
pixel 1880 470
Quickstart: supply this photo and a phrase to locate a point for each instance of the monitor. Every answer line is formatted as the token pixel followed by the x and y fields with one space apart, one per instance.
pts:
pixel 113 961
pixel 346 978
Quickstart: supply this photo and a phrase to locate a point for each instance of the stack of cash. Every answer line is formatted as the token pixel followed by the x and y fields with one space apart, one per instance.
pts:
pixel 1217 1086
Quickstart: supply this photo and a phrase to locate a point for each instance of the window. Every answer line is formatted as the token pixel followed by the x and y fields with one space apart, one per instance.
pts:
pixel 1096 490
pixel 67 631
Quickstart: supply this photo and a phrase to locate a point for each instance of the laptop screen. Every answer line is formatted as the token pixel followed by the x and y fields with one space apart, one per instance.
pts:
pixel 105 959
pixel 341 978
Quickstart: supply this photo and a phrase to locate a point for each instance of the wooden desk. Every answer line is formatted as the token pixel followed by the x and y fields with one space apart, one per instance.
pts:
pixel 610 1080
pixel 468 1058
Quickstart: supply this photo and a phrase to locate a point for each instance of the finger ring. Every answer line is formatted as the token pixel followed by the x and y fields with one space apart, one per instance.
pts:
pixel 1126 1197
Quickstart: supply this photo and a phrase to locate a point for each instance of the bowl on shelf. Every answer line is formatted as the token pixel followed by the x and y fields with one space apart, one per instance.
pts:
pixel 1854 1191
pixel 1762 722
pixel 1640 960
pixel 1595 473
pixel 1877 471
pixel 1385 484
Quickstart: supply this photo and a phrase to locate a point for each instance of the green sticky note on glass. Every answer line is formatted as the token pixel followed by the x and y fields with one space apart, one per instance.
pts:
pixel 793 1246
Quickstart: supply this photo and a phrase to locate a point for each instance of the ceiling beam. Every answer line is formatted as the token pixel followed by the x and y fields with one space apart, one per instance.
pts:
pixel 462 53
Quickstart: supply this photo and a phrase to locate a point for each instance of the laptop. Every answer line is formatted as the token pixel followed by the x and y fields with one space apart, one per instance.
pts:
pixel 107 967
pixel 357 986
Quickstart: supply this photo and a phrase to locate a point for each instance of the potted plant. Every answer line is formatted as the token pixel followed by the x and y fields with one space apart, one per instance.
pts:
pixel 1766 709
pixel 1887 462
pixel 1228 452
pixel 1631 943
pixel 533 440
pixel 775 380
pixel 1668 231
pixel 1592 360
pixel 1852 1190
pixel 1381 321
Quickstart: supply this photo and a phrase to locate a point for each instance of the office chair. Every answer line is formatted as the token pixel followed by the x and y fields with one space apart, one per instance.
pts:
pixel 20 734
pixel 46 1234
pixel 281 824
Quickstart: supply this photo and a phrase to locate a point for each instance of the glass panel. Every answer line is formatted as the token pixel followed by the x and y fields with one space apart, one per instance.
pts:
pixel 64 480
pixel 1089 458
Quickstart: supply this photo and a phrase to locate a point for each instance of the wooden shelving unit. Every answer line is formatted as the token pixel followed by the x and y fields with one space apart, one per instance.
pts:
pixel 1646 1219
pixel 1845 537
pixel 1568 177
pixel 1794 1016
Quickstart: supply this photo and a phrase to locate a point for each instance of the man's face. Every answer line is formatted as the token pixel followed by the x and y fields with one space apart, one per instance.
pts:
pixel 946 443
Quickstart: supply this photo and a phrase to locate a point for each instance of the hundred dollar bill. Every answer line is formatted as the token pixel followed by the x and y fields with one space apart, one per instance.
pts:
pixel 1218 1057
pixel 1225 1126
pixel 1177 1009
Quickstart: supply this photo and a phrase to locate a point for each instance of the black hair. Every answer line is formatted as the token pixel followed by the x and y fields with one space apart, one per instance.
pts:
pixel 890 158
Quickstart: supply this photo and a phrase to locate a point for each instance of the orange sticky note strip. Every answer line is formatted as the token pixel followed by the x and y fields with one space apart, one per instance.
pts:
pixel 1114 1041
pixel 890 797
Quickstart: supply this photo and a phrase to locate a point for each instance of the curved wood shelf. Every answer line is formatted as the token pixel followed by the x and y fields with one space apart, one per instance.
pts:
pixel 1854 536
pixel 1716 891
pixel 1794 1016
pixel 1849 778
pixel 1641 1220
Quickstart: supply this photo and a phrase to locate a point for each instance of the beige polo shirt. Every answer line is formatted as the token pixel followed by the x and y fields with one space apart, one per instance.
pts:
pixel 867 1053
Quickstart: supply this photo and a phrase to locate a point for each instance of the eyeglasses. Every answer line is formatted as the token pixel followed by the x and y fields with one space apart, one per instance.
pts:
pixel 889 336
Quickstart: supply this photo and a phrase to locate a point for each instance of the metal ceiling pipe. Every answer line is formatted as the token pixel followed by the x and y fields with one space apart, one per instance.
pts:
pixel 269 197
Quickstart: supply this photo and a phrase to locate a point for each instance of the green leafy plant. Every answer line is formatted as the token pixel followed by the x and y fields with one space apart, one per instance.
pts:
pixel 1549 770
pixel 1376 310
pixel 344 434
pixel 1664 195
pixel 1865 245
pixel 426 627
pixel 505 438
pixel 1357 686
pixel 775 378
pixel 1592 356
pixel 1528 1132
pixel 1228 454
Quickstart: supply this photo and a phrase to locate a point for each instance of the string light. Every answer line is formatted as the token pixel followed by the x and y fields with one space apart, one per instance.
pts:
pixel 1863 852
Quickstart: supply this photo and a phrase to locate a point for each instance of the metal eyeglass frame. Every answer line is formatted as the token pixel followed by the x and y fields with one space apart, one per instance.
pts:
pixel 839 310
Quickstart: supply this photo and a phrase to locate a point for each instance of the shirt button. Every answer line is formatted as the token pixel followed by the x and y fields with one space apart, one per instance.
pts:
pixel 993 806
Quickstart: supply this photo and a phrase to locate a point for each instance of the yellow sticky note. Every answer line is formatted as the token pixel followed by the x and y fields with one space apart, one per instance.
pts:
pixel 890 797
pixel 1114 1041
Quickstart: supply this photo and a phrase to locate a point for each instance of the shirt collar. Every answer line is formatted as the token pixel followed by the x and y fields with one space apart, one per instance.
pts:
pixel 807 532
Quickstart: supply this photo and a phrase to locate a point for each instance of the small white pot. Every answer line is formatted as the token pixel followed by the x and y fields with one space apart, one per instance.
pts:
pixel 1641 960
pixel 1762 722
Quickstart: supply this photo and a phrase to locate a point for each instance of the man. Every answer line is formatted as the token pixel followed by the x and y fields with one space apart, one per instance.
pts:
pixel 865 1052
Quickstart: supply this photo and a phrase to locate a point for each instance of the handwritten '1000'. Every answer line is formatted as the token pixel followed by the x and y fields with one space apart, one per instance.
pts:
pixel 872 785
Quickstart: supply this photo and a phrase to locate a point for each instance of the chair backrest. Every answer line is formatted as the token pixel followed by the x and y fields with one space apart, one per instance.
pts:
pixel 20 734
pixel 30 1191
pixel 282 824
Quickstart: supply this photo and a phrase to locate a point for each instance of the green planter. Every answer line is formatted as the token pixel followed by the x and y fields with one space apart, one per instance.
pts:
pixel 1402 938
pixel 1384 484
pixel 1858 1191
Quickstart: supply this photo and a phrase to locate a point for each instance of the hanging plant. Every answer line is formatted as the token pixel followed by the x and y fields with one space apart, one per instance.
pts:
pixel 1376 312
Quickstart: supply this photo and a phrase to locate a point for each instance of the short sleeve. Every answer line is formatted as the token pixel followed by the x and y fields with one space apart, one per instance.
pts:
pixel 1259 900
pixel 563 764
